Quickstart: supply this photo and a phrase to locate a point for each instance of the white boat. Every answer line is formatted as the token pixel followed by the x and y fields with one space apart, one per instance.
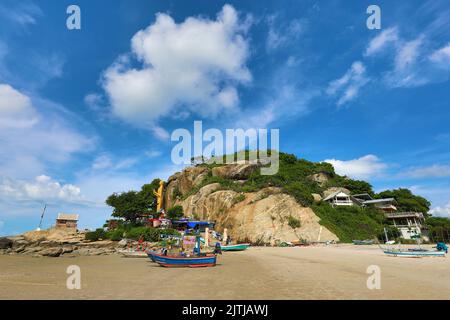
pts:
pixel 411 253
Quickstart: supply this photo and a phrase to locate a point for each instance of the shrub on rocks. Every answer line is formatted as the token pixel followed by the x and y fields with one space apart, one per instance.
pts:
pixel 96 235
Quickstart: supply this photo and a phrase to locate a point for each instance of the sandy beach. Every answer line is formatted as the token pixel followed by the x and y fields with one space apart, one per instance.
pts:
pixel 333 272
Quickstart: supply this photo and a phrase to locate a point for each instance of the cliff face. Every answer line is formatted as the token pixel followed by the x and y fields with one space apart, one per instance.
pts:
pixel 258 217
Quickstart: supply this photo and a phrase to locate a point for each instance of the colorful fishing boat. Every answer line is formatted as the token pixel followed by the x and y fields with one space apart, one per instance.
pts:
pixel 235 247
pixel 362 242
pixel 207 260
pixel 151 254
pixel 193 260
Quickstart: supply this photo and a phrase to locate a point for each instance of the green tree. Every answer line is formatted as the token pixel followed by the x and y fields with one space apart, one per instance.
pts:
pixel 355 186
pixel 439 228
pixel 129 205
pixel 175 212
pixel 147 193
pixel 406 200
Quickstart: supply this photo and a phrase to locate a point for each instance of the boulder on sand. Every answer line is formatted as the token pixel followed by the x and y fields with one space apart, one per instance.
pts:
pixel 122 243
pixel 51 252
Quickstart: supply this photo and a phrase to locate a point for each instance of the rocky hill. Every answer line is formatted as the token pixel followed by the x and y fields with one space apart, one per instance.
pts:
pixel 260 216
pixel 286 206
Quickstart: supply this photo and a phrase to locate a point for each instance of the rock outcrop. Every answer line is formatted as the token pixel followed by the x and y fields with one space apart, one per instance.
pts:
pixel 235 171
pixel 55 243
pixel 321 178
pixel 182 182
pixel 259 217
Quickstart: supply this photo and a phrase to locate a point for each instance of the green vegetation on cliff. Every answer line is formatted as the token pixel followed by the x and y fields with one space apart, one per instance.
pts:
pixel 348 223
pixel 294 177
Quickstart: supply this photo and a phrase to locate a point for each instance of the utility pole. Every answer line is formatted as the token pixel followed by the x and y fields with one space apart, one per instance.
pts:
pixel 42 217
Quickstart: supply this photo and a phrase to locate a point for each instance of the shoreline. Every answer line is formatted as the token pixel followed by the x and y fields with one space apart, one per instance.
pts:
pixel 316 272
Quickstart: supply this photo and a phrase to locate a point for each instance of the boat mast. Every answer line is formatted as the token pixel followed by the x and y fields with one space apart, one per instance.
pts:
pixel 42 217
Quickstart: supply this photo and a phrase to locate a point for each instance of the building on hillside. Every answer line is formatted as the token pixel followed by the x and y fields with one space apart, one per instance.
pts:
pixel 386 205
pixel 68 221
pixel 360 198
pixel 365 200
pixel 410 224
pixel 339 198
pixel 342 198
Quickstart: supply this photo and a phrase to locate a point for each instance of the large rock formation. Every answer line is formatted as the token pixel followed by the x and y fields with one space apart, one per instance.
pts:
pixel 56 242
pixel 259 217
pixel 235 171
pixel 182 182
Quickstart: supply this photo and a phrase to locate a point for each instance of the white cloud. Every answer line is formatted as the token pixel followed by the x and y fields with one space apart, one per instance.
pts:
pixel 441 57
pixel 93 101
pixel 414 63
pixel 196 64
pixel 408 53
pixel 104 161
pixel 161 133
pixel 16 110
pixel 153 153
pixel 409 70
pixel 23 14
pixel 442 211
pixel 285 104
pixel 348 86
pixel 31 140
pixel 433 171
pixel 381 41
pixel 279 36
pixel 43 188
pixel 100 184
pixel 49 66
pixel 362 168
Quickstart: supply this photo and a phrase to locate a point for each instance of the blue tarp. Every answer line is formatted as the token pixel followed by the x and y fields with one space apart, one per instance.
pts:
pixel 193 224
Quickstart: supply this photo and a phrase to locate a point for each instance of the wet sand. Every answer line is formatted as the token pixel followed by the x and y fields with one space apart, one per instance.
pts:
pixel 334 272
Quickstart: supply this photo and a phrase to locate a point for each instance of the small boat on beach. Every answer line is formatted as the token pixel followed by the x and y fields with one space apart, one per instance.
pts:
pixel 193 260
pixel 235 247
pixel 362 242
pixel 414 253
pixel 207 260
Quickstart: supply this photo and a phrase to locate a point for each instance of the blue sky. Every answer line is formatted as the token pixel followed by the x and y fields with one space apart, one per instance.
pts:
pixel 84 113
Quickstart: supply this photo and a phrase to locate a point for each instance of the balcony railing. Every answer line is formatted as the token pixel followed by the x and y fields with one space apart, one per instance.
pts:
pixel 394 215
pixel 343 202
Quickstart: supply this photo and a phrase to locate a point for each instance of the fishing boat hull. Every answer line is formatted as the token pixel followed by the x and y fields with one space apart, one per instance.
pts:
pixel 179 262
pixel 236 247
pixel 397 253
pixel 151 254
pixel 362 242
